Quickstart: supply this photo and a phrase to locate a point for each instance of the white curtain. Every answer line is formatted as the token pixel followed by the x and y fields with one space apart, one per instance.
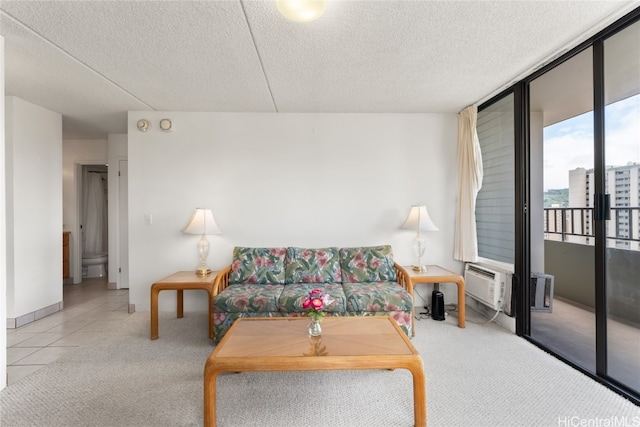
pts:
pixel 94 219
pixel 469 183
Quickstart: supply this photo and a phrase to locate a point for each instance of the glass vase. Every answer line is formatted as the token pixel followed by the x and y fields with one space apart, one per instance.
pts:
pixel 314 328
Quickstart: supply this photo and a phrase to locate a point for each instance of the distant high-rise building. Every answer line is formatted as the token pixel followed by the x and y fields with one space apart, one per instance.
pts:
pixel 622 183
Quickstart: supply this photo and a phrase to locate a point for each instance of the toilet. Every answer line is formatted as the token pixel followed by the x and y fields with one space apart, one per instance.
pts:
pixel 94 265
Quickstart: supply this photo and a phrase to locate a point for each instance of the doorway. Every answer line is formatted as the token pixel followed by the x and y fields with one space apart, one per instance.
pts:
pixel 561 129
pixel 94 222
pixel 576 173
pixel 584 114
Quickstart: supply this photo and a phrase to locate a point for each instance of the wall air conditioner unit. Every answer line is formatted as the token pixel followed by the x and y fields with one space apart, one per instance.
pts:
pixel 485 285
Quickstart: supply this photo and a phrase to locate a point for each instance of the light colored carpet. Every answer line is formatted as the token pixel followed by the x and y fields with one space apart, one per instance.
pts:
pixel 479 376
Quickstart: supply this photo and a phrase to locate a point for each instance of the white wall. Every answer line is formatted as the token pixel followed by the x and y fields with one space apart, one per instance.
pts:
pixel 34 207
pixel 75 153
pixel 285 180
pixel 3 238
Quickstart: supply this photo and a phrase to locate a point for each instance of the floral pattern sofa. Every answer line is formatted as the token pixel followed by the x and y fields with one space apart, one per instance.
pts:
pixel 273 282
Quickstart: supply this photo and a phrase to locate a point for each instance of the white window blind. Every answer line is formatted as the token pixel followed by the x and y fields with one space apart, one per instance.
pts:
pixel 496 199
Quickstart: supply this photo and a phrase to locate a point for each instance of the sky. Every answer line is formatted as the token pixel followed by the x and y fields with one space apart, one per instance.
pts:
pixel 569 144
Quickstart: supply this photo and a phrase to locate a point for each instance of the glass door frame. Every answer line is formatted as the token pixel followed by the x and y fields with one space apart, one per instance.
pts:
pixel 522 169
pixel 599 216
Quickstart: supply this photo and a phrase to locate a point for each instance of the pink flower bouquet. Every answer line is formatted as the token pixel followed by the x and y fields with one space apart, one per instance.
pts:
pixel 315 304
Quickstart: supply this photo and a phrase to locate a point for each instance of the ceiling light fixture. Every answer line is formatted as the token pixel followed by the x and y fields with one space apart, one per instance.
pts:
pixel 301 10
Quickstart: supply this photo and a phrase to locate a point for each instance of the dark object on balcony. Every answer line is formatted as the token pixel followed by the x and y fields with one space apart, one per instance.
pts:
pixel 541 292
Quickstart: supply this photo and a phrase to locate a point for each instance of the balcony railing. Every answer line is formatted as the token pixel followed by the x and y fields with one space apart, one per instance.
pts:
pixel 624 225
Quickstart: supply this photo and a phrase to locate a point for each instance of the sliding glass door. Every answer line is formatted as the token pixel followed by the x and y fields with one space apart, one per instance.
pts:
pixel 562 252
pixel 584 195
pixel 622 186
pixel 575 210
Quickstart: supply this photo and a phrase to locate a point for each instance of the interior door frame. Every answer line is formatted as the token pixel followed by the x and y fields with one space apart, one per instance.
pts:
pixel 122 257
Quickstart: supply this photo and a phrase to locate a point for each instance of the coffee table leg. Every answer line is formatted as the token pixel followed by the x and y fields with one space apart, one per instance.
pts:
pixel 154 312
pixel 210 377
pixel 419 395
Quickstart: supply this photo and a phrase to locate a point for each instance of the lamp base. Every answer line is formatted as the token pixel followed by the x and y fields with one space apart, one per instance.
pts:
pixel 202 272
pixel 419 268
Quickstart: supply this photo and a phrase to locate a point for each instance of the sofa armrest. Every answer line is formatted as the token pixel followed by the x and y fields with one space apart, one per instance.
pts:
pixel 221 281
pixel 404 281
pixel 402 277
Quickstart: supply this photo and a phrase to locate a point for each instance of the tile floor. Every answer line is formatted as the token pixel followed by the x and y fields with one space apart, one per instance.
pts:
pixel 89 307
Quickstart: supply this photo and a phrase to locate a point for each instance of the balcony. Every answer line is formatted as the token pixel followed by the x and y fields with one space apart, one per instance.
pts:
pixel 569 255
pixel 576 225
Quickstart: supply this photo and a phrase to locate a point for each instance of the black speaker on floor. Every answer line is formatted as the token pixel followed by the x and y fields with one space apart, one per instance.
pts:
pixel 437 305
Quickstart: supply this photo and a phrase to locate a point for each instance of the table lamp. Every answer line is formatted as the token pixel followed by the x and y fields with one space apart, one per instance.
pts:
pixel 202 222
pixel 419 220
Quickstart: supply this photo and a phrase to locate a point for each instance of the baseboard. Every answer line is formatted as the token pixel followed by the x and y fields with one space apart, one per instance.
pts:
pixel 25 319
pixel 112 285
pixel 132 308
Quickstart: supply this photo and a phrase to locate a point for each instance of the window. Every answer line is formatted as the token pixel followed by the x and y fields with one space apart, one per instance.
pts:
pixel 495 216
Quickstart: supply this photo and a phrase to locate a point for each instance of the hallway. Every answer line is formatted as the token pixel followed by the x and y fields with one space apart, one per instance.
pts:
pixel 89 308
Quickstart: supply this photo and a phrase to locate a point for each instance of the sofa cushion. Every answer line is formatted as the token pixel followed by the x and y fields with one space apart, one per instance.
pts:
pixel 257 265
pixel 313 265
pixel 367 264
pixel 248 298
pixel 377 296
pixel 293 295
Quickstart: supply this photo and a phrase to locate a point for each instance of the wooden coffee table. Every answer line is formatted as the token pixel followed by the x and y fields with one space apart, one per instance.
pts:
pixel 283 344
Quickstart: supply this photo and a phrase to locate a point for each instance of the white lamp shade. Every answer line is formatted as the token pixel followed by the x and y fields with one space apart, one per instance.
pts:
pixel 301 10
pixel 202 222
pixel 419 219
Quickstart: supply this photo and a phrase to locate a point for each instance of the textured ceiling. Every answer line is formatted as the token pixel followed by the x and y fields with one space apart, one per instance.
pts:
pixel 93 61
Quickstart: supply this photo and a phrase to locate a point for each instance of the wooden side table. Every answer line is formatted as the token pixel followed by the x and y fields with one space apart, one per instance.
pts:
pixel 436 275
pixel 181 281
